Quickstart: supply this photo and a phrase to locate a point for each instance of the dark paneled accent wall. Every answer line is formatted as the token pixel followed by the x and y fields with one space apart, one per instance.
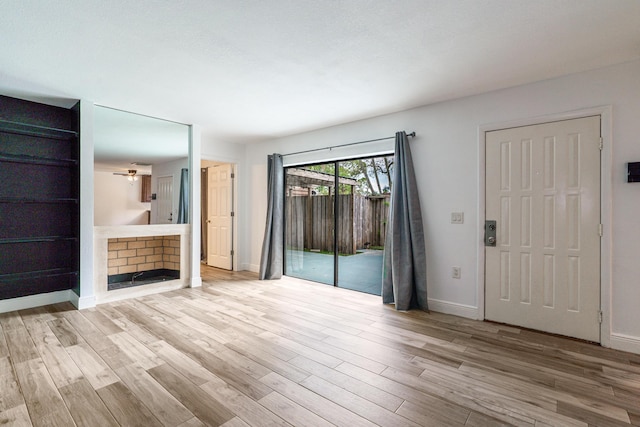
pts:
pixel 39 198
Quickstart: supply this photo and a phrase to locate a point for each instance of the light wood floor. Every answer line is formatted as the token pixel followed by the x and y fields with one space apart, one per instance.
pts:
pixel 241 352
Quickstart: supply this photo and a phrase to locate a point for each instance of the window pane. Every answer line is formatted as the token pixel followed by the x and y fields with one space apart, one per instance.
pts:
pixel 309 222
pixel 363 208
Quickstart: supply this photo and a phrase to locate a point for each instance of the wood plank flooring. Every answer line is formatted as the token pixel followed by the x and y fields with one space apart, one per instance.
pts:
pixel 243 352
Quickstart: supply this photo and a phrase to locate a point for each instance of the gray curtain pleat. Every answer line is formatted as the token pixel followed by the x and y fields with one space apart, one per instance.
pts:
pixel 183 202
pixel 271 262
pixel 404 275
pixel 204 196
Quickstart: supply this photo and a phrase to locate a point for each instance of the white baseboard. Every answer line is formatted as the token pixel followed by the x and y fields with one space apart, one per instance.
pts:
pixel 625 343
pixel 82 302
pixel 22 303
pixel 195 282
pixel 255 268
pixel 456 309
pixel 245 266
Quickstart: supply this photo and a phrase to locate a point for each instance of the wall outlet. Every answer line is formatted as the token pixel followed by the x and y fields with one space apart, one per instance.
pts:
pixel 455 272
pixel 457 217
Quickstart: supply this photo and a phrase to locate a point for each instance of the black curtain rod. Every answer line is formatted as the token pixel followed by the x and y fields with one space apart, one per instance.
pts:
pixel 412 134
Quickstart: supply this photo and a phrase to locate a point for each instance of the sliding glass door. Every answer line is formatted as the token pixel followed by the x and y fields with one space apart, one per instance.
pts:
pixel 309 216
pixel 336 216
pixel 363 210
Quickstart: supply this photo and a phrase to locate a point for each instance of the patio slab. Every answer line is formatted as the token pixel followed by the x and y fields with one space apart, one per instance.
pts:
pixel 360 272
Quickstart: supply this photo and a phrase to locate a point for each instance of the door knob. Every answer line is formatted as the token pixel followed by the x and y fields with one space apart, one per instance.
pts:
pixel 490 233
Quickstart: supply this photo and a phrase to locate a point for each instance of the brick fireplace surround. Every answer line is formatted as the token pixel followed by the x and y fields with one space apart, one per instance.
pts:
pixel 134 254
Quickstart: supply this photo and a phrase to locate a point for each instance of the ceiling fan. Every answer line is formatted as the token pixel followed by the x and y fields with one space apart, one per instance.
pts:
pixel 131 174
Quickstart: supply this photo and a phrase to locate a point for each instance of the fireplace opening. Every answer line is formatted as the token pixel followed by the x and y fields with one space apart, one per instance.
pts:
pixel 128 280
pixel 137 261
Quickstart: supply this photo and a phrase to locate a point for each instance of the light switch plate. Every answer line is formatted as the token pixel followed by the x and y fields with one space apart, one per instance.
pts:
pixel 457 217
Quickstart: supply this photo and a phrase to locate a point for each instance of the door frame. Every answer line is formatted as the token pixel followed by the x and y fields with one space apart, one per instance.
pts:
pixel 605 113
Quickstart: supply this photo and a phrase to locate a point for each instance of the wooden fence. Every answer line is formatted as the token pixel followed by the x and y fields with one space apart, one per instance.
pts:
pixel 361 222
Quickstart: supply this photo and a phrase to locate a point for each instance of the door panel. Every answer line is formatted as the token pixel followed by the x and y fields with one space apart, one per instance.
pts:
pixel 309 207
pixel 543 188
pixel 361 223
pixel 165 200
pixel 220 221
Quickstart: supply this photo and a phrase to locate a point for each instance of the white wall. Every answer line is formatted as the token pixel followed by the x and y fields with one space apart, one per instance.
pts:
pixel 172 169
pixel 446 156
pixel 117 200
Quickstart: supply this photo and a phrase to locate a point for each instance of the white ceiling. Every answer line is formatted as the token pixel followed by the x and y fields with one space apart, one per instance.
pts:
pixel 247 70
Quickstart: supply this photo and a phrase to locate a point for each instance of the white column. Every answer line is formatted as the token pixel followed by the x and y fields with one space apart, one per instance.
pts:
pixel 86 298
pixel 194 203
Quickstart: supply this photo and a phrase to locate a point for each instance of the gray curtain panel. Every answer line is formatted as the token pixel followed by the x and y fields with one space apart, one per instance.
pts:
pixel 271 262
pixel 183 202
pixel 404 274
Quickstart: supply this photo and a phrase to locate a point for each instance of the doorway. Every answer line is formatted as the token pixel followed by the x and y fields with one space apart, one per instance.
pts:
pixel 218 212
pixel 335 221
pixel 542 189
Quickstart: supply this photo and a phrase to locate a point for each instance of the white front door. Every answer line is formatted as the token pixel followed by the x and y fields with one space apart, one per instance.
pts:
pixel 164 200
pixel 220 221
pixel 543 189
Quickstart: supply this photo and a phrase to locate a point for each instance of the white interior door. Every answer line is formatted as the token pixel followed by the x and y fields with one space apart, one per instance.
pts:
pixel 543 189
pixel 164 200
pixel 220 220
